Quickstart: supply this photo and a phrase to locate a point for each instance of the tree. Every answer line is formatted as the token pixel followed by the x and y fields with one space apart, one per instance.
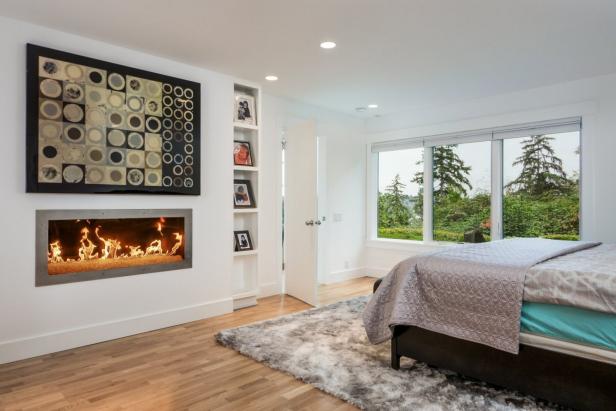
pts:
pixel 450 174
pixel 391 205
pixel 542 172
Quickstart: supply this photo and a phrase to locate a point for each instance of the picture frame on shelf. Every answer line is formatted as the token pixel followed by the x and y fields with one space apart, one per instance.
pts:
pixel 243 242
pixel 243 196
pixel 242 153
pixel 245 112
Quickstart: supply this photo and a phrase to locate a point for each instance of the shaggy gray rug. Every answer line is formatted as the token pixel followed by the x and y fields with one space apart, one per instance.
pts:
pixel 327 347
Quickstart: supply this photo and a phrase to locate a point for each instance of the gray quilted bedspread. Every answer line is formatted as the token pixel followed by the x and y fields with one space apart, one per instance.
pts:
pixel 473 292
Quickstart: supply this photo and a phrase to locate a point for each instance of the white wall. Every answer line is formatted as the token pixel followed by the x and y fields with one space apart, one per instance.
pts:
pixel 341 140
pixel 593 99
pixel 45 319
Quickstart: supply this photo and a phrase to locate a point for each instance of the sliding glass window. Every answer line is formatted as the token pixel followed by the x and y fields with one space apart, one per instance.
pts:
pixel 517 181
pixel 400 202
pixel 461 193
pixel 541 174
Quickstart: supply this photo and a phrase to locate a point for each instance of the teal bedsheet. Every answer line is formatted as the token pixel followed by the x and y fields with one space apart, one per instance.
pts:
pixel 570 323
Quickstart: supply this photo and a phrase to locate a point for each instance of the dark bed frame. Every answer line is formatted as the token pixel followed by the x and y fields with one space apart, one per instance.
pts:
pixel 567 380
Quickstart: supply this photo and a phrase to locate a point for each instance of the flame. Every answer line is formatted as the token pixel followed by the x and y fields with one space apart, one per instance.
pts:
pixel 86 251
pixel 155 247
pixel 178 243
pixel 112 248
pixel 135 251
pixel 55 253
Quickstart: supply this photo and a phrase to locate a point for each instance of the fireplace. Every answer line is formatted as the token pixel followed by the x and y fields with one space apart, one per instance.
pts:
pixel 83 245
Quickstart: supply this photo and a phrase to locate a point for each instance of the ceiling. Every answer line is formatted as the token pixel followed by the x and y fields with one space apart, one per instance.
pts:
pixel 396 53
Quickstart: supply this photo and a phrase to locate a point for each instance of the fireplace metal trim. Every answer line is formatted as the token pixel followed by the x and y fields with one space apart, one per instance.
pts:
pixel 42 232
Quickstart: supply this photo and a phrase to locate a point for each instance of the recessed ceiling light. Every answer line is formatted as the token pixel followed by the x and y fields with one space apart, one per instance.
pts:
pixel 271 78
pixel 373 106
pixel 328 45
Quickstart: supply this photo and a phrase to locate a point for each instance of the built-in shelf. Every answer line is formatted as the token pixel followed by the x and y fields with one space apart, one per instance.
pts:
pixel 245 168
pixel 246 263
pixel 245 126
pixel 245 210
pixel 245 253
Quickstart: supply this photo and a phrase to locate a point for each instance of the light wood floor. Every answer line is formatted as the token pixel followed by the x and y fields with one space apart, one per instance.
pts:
pixel 176 368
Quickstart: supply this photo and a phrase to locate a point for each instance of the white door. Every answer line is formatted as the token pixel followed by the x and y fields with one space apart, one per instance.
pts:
pixel 301 219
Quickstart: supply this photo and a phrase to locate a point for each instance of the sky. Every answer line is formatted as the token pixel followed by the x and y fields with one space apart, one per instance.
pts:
pixel 476 155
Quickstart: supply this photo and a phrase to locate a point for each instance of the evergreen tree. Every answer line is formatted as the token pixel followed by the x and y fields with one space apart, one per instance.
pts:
pixel 450 174
pixel 391 205
pixel 542 172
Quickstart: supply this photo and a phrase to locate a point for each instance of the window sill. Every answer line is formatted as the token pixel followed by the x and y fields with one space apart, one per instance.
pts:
pixel 405 245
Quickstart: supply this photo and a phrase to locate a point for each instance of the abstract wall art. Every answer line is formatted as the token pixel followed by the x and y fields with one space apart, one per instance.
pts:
pixel 98 127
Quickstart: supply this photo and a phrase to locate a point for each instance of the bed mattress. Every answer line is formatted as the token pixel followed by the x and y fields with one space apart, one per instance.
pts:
pixel 571 330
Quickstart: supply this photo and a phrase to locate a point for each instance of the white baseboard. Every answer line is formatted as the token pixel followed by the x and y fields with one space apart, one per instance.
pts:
pixel 269 289
pixel 28 347
pixel 376 271
pixel 343 275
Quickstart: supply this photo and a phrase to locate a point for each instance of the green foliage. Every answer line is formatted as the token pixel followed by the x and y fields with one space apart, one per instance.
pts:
pixel 550 216
pixel 542 172
pixel 541 202
pixel 461 214
pixel 401 233
pixel 450 174
pixel 392 210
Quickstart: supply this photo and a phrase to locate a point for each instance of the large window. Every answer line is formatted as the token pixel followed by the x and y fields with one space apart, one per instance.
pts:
pixel 542 181
pixel 400 202
pixel 520 181
pixel 461 192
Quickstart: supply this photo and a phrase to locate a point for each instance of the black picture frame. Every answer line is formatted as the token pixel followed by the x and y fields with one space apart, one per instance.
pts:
pixel 236 145
pixel 245 194
pixel 243 242
pixel 179 168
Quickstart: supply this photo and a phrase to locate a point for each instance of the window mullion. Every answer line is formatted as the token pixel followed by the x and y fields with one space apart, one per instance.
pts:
pixel 496 228
pixel 427 194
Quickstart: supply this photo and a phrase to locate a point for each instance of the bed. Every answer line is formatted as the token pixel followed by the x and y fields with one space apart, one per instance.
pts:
pixel 564 347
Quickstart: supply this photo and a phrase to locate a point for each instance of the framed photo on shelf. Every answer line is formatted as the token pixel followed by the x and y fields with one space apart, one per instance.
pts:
pixel 243 242
pixel 243 196
pixel 242 154
pixel 245 112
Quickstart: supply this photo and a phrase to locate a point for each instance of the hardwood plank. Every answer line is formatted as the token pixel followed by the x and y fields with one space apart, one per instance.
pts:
pixel 180 367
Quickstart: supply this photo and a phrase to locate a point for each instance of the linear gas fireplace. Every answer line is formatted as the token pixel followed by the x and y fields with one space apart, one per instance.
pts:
pixel 83 245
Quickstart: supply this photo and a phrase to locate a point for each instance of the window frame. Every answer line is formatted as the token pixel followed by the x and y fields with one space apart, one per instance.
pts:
pixel 496 135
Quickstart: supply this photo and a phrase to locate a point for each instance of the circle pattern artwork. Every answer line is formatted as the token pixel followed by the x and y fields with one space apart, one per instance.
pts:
pixel 73 113
pixel 51 109
pixel 94 175
pixel 95 135
pixel 74 133
pixel 50 151
pixel 135 140
pixel 116 81
pixel 116 138
pixel 50 130
pixel 104 124
pixel 116 157
pixel 153 159
pixel 135 177
pixel 74 72
pixel 72 174
pixel 50 88
pixel 95 155
pixel 153 124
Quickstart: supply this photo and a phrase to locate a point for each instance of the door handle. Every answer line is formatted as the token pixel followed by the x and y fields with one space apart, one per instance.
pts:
pixel 318 222
pixel 309 222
